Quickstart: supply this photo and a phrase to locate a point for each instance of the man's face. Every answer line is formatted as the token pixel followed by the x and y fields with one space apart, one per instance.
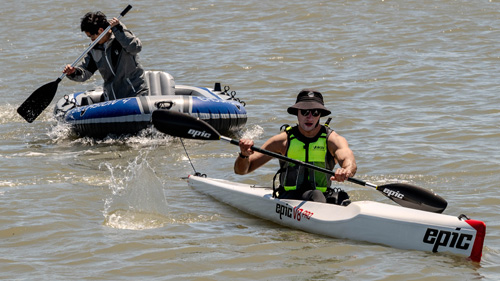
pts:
pixel 308 119
pixel 93 37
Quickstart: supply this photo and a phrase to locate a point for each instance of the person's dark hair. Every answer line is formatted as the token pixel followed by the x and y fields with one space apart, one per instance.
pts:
pixel 92 21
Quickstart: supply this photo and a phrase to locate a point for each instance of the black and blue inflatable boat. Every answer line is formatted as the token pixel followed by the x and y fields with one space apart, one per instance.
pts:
pixel 90 114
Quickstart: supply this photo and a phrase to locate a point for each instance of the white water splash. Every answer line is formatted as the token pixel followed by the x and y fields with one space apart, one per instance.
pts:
pixel 252 132
pixel 137 200
pixel 62 132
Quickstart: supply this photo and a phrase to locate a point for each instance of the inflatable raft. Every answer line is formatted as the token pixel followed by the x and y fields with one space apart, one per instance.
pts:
pixel 90 114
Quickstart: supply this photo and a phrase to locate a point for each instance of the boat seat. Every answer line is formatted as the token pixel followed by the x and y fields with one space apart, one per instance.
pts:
pixel 160 83
pixel 92 97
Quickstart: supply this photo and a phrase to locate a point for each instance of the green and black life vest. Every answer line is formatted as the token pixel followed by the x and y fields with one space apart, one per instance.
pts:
pixel 311 150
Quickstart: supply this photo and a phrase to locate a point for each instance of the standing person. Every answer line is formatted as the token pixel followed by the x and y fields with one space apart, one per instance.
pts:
pixel 308 142
pixel 115 56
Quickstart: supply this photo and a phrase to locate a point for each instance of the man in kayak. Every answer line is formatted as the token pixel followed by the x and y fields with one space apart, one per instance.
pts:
pixel 115 56
pixel 308 142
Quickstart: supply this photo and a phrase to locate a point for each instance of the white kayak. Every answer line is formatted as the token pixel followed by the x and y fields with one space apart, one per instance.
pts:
pixel 369 221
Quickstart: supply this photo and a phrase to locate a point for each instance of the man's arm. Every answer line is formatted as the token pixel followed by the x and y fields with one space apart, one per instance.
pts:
pixel 83 71
pixel 339 148
pixel 244 165
pixel 127 39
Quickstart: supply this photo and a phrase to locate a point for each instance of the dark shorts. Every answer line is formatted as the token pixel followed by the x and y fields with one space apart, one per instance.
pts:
pixel 332 196
pixel 309 195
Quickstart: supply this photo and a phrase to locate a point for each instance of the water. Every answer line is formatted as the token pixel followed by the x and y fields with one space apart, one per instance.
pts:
pixel 412 85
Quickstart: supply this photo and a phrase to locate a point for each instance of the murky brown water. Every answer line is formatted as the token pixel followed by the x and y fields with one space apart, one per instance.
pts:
pixel 413 86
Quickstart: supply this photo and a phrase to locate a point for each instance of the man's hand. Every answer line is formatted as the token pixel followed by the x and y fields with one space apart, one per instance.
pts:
pixel 68 70
pixel 245 147
pixel 114 22
pixel 341 175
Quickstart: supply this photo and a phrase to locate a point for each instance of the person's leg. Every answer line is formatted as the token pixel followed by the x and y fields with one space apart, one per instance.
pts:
pixel 314 195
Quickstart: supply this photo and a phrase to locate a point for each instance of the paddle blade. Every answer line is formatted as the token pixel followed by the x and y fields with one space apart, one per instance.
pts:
pixel 414 197
pixel 35 104
pixel 178 124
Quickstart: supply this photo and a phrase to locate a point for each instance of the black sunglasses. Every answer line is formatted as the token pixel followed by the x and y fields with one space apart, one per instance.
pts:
pixel 315 112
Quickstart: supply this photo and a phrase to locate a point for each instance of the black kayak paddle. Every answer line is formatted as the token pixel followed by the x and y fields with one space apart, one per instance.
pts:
pixel 36 103
pixel 185 126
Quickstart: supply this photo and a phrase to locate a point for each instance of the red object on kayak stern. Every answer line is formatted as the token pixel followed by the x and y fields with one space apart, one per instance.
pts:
pixel 477 249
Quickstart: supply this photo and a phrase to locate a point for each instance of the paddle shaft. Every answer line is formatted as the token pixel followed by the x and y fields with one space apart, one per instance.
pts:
pixel 185 126
pixel 125 11
pixel 297 162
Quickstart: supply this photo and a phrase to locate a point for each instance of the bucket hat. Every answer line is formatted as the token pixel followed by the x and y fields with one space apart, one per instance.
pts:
pixel 309 99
